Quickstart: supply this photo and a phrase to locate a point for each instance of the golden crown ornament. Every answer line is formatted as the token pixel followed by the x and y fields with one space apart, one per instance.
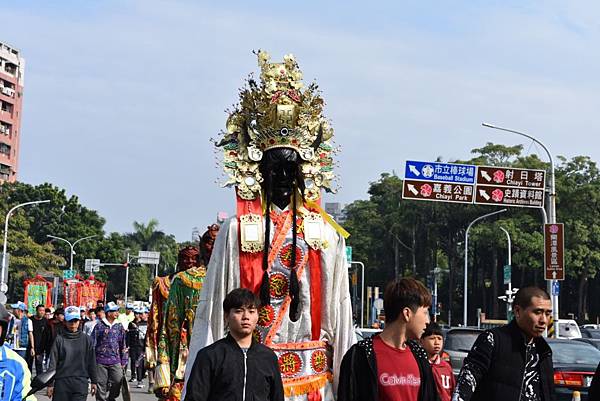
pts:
pixel 278 112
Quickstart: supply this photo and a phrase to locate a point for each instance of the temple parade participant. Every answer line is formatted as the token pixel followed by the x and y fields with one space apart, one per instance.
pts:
pixel 160 293
pixel 179 311
pixel 281 245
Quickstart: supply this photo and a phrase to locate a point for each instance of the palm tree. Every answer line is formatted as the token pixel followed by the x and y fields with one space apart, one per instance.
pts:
pixel 146 236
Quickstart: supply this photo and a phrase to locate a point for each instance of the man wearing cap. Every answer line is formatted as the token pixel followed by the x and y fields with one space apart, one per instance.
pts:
pixel 40 327
pixel 22 331
pixel 98 315
pixel 128 316
pixel 55 325
pixel 108 338
pixel 15 377
pixel 136 335
pixel 84 316
pixel 74 359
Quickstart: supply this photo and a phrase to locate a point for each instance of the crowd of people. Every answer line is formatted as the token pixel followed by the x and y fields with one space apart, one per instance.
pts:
pixel 90 350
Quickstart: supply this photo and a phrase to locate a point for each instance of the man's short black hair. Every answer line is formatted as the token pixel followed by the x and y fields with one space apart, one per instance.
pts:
pixel 99 309
pixel 40 306
pixel 432 329
pixel 524 295
pixel 404 293
pixel 59 311
pixel 239 298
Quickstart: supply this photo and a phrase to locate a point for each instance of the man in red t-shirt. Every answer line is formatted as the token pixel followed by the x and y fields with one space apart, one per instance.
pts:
pixel 392 366
pixel 433 342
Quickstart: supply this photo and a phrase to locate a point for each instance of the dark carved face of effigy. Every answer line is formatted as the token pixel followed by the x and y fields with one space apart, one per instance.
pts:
pixel 279 168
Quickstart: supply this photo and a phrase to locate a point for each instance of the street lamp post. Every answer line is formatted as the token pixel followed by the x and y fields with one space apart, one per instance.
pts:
pixel 72 245
pixel 465 287
pixel 509 293
pixel 362 291
pixel 3 287
pixel 551 206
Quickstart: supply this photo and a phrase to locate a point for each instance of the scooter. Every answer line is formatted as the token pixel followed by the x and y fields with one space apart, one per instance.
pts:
pixel 40 381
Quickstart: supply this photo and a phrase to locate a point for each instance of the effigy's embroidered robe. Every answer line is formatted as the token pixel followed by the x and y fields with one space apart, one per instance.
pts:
pixel 309 350
pixel 174 339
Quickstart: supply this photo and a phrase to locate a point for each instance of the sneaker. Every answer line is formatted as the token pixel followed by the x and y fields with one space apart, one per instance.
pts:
pixel 140 385
pixel 132 380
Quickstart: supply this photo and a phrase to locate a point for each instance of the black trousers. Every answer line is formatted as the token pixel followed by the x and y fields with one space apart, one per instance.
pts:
pixel 138 365
pixel 39 365
pixel 70 389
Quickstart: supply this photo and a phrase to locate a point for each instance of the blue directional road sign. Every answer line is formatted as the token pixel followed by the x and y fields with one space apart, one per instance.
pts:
pixel 440 172
pixel 556 288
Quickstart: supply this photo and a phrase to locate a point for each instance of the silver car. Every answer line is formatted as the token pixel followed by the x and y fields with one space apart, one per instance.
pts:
pixel 458 343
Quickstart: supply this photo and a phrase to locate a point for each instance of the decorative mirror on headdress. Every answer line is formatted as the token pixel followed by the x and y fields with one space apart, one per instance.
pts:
pixel 278 112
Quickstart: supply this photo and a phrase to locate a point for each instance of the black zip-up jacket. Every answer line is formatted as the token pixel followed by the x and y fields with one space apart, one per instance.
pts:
pixel 494 369
pixel 224 372
pixel 359 378
pixel 594 391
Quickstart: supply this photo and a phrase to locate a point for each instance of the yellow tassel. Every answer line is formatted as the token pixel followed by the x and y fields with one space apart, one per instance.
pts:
pixel 306 385
pixel 331 221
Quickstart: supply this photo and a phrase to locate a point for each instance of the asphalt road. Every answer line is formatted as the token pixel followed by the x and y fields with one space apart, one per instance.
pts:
pixel 136 394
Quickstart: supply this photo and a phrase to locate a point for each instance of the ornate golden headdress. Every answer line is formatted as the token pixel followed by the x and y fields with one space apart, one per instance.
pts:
pixel 278 112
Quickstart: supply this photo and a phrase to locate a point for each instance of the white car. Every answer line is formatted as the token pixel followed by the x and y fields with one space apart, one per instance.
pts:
pixel 568 328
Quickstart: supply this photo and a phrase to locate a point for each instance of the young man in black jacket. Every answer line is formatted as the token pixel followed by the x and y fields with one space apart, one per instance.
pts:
pixel 236 367
pixel 392 366
pixel 512 362
pixel 74 359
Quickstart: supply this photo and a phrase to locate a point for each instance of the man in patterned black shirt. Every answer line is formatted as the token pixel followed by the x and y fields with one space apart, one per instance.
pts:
pixel 512 362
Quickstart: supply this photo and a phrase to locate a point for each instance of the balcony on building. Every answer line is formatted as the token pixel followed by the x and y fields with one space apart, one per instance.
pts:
pixel 5 171
pixel 5 129
pixel 5 149
pixel 11 69
pixel 6 108
pixel 7 88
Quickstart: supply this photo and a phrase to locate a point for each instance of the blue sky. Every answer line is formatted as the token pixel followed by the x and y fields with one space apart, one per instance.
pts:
pixel 122 97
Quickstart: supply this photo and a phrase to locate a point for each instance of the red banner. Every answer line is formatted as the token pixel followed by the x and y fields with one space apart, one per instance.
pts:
pixel 38 291
pixel 83 293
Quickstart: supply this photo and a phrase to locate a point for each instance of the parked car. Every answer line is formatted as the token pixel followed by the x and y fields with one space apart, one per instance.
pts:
pixel 574 365
pixel 458 343
pixel 590 326
pixel 590 333
pixel 592 341
pixel 361 333
pixel 568 329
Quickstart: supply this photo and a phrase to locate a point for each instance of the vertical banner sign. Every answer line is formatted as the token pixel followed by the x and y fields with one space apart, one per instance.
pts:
pixel 71 292
pixel 554 251
pixel 38 291
pixel 90 291
pixel 507 274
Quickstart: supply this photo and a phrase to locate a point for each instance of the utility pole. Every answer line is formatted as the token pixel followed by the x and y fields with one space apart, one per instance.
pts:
pixel 551 212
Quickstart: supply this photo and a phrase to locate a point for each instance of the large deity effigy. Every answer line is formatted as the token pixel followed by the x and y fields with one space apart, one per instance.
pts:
pixel 277 153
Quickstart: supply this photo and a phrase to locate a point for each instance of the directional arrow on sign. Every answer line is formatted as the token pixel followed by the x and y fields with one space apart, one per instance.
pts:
pixel 485 175
pixel 484 194
pixel 414 170
pixel 412 189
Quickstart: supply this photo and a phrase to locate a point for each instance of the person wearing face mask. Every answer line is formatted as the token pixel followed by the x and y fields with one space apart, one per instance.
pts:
pixel 392 366
pixel 512 362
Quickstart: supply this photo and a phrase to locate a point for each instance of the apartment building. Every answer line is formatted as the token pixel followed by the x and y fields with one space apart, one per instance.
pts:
pixel 12 67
